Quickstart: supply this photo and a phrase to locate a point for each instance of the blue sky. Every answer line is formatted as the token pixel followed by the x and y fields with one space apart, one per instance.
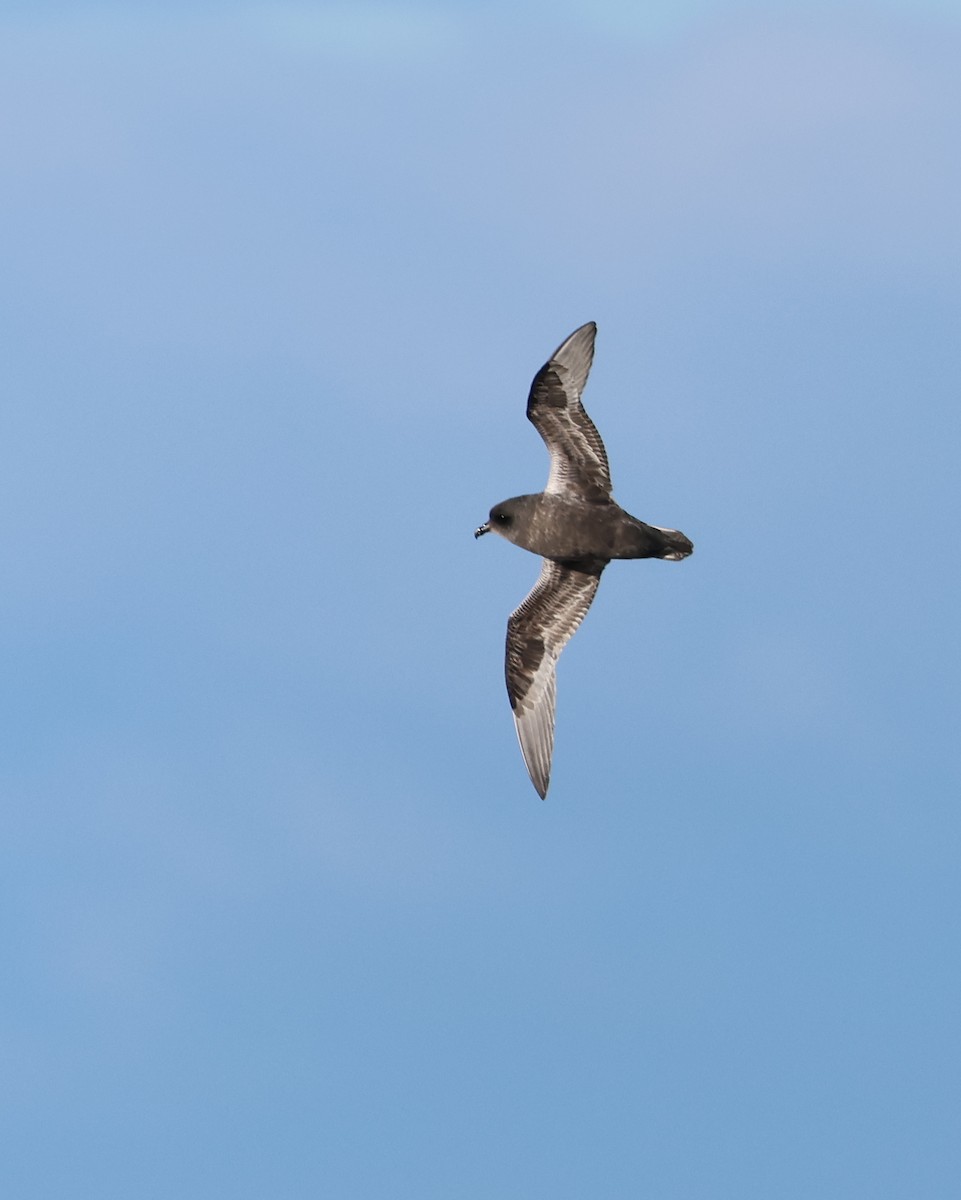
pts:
pixel 283 915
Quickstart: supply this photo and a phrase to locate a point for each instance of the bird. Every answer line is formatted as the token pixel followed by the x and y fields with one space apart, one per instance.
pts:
pixel 577 528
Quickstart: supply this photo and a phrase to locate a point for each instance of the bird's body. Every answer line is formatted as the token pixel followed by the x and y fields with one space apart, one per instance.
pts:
pixel 577 528
pixel 567 530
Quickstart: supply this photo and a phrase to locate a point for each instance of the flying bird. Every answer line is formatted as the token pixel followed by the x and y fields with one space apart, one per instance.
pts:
pixel 577 528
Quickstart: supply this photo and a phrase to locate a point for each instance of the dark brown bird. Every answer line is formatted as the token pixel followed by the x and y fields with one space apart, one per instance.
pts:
pixel 577 528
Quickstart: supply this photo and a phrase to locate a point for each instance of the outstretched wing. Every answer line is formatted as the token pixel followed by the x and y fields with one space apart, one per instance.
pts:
pixel 579 466
pixel 537 632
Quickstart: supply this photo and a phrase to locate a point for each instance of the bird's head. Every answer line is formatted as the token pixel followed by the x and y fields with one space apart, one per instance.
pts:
pixel 503 518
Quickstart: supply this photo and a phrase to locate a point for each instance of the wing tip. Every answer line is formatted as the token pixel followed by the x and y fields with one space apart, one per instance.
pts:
pixel 581 341
pixel 540 779
pixel 537 748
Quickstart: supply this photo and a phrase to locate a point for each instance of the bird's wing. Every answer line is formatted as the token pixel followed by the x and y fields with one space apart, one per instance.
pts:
pixel 537 632
pixel 579 467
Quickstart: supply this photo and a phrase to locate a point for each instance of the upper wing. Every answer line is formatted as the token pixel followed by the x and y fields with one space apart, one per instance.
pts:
pixel 537 632
pixel 578 459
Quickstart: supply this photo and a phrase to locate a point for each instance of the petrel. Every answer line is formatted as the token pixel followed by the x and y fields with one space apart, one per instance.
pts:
pixel 577 528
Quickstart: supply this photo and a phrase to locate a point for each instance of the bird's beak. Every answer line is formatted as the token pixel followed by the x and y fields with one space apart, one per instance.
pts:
pixel 482 529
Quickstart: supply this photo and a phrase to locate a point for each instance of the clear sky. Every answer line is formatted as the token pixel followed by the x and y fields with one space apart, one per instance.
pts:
pixel 282 914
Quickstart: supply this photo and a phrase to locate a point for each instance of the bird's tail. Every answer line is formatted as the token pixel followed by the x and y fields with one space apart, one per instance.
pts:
pixel 671 544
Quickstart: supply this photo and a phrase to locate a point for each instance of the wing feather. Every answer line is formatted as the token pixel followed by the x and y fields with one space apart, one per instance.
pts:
pixel 537 632
pixel 579 466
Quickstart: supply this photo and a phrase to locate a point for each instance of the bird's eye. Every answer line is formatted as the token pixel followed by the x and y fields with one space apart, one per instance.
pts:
pixel 502 519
